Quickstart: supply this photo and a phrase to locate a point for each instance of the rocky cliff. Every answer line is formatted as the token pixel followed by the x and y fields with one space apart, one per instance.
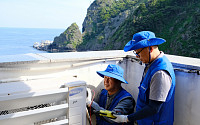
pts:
pixel 68 40
pixel 110 24
pixel 104 18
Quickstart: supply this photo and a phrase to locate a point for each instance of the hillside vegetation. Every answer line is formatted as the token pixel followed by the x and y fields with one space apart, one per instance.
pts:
pixel 110 24
pixel 68 40
pixel 177 21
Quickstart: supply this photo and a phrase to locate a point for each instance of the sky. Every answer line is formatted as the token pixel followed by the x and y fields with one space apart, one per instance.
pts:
pixel 43 13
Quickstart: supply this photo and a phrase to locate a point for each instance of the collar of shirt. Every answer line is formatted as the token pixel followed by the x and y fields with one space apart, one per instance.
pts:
pixel 110 99
pixel 148 65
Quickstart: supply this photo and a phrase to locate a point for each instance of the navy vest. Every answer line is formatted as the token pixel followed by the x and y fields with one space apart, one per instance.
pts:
pixel 166 114
pixel 102 103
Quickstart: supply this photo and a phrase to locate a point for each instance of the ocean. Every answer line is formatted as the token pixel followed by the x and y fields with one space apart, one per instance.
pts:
pixel 20 40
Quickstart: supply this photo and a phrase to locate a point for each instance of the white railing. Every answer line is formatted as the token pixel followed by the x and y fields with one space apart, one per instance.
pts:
pixel 43 107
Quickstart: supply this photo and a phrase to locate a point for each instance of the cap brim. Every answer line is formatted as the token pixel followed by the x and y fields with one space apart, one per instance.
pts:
pixel 103 73
pixel 143 44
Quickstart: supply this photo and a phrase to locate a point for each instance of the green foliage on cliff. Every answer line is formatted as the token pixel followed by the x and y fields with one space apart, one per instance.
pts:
pixel 110 11
pixel 177 21
pixel 68 40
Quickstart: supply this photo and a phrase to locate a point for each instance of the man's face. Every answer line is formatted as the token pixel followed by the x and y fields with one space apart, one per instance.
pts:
pixel 143 54
pixel 109 83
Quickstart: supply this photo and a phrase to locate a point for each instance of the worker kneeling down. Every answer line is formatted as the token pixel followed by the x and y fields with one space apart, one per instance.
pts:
pixel 113 99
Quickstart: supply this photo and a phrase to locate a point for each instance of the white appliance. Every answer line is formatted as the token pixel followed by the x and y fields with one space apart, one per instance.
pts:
pixel 77 102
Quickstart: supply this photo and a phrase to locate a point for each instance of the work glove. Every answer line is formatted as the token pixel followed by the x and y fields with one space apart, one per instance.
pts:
pixel 93 105
pixel 88 102
pixel 106 113
pixel 120 118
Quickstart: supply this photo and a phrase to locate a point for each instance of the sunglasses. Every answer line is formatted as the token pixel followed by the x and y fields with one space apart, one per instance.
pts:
pixel 137 54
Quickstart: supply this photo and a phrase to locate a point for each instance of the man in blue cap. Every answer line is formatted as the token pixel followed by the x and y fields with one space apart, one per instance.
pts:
pixel 155 102
pixel 113 98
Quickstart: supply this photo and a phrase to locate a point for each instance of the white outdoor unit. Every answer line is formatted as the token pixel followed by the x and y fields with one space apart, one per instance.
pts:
pixel 58 106
pixel 77 102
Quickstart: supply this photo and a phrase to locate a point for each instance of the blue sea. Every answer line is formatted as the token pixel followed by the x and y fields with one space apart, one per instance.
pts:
pixel 20 40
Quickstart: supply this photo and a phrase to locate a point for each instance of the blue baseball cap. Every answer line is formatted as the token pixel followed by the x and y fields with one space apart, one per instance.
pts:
pixel 143 39
pixel 113 71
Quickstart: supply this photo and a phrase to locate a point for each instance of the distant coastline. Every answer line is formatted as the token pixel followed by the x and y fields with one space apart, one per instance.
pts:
pixel 21 40
pixel 44 46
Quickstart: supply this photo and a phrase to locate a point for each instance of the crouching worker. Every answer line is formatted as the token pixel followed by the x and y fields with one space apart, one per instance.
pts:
pixel 113 98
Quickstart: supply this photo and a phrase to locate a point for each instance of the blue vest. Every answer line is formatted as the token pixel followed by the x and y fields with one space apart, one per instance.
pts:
pixel 166 114
pixel 102 103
